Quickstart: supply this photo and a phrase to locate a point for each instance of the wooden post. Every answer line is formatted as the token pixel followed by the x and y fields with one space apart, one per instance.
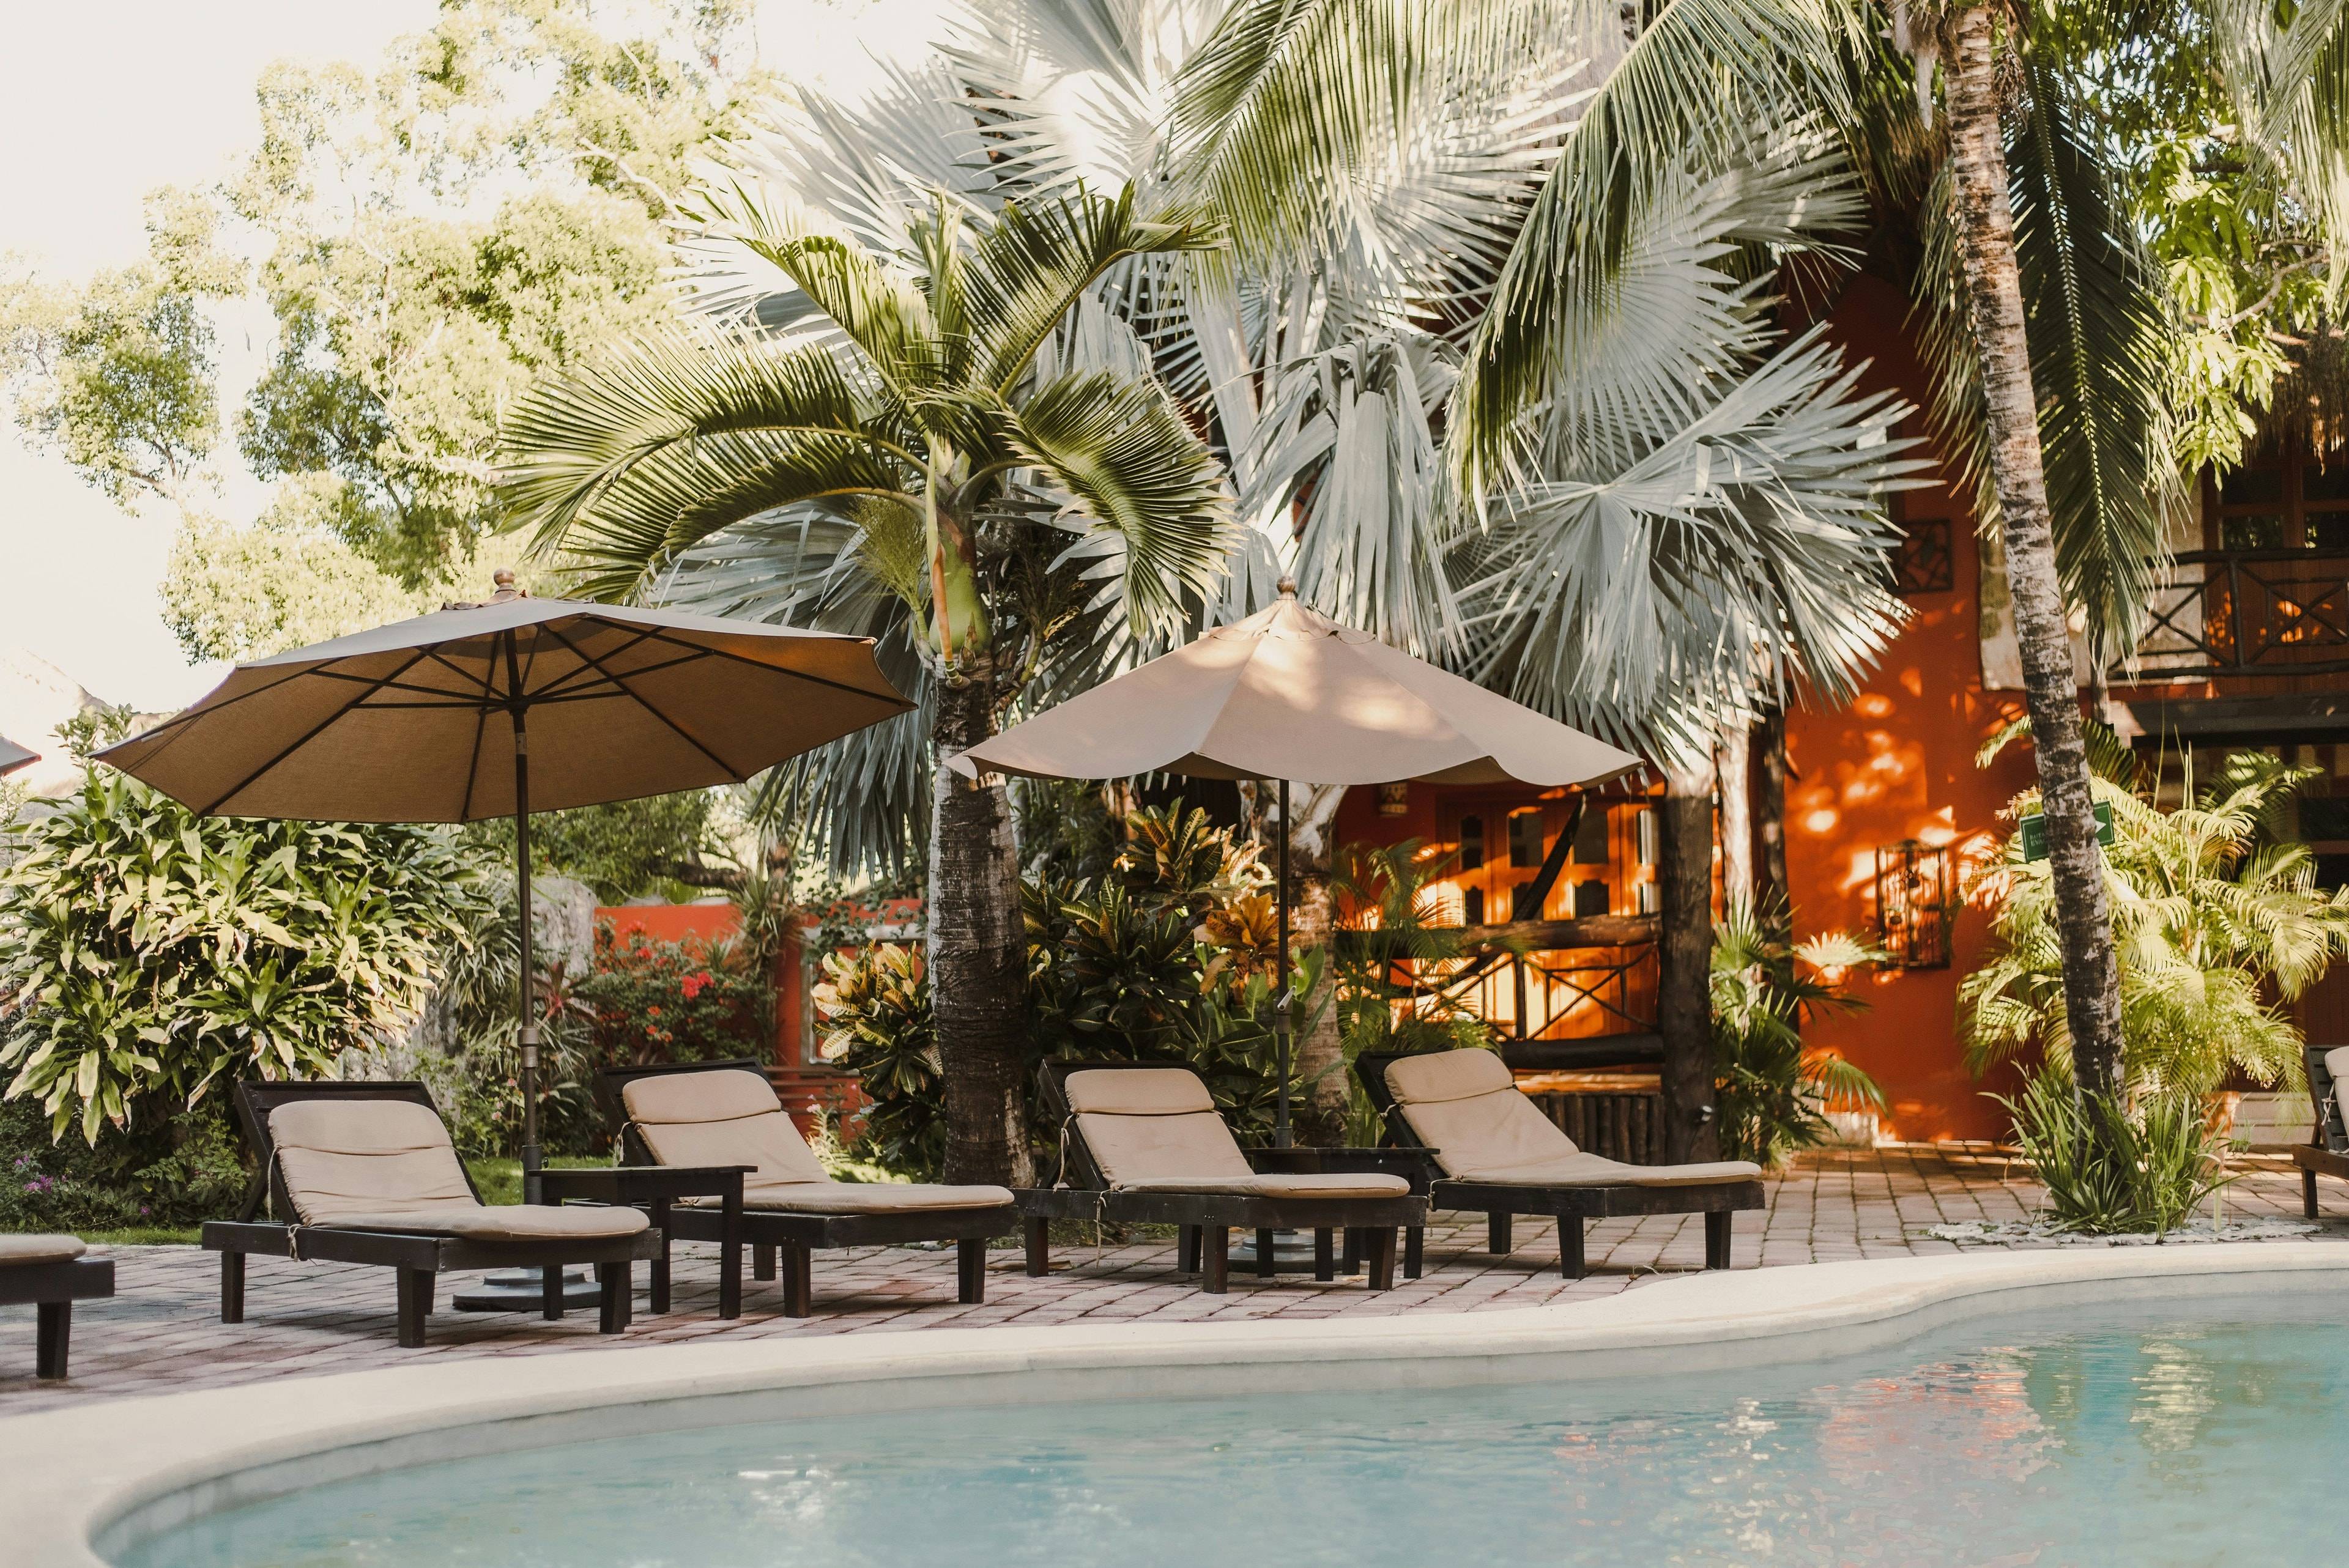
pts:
pixel 1685 964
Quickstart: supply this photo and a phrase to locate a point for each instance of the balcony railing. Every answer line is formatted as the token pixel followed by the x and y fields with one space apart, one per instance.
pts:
pixel 2247 613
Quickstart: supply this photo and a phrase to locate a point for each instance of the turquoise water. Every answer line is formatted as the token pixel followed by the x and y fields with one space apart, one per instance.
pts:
pixel 2217 1431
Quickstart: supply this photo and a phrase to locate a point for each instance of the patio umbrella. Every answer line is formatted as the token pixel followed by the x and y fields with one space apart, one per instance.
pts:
pixel 515 705
pixel 1288 693
pixel 13 757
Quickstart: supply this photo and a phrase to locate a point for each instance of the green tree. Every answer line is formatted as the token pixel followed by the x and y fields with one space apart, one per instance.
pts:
pixel 150 953
pixel 890 442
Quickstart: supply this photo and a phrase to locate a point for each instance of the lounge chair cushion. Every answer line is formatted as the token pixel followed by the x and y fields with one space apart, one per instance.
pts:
pixel 865 1198
pixel 1138 1091
pixel 1364 1186
pixel 368 1157
pixel 503 1222
pixel 1465 1106
pixel 388 1165
pixel 722 1118
pixel 732 1118
pixel 24 1251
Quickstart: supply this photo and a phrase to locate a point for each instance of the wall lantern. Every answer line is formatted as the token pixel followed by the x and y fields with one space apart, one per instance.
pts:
pixel 1914 903
pixel 1394 800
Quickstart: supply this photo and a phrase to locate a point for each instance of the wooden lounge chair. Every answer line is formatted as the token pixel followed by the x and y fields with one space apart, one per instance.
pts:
pixel 50 1272
pixel 2326 1152
pixel 726 1114
pixel 365 1174
pixel 1142 1145
pixel 1496 1152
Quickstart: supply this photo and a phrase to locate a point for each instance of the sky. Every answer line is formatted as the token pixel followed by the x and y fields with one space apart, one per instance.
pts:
pixel 100 103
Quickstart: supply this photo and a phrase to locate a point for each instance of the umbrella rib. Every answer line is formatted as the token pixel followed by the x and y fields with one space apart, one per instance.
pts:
pixel 473 760
pixel 308 736
pixel 904 703
pixel 724 766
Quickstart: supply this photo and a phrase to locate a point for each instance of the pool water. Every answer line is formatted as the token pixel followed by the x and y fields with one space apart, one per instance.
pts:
pixel 2212 1432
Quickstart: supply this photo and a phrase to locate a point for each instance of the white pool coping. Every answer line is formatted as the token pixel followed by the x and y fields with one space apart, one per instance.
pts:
pixel 92 1479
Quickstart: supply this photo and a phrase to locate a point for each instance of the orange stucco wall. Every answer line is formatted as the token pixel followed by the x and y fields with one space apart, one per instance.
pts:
pixel 714 922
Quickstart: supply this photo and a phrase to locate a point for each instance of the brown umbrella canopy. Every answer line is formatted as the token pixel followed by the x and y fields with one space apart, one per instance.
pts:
pixel 413 722
pixel 1289 694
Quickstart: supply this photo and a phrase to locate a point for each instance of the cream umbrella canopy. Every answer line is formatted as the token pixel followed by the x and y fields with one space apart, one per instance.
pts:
pixel 13 757
pixel 1288 693
pixel 503 708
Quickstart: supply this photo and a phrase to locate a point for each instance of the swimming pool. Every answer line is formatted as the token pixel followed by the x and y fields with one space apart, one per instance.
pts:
pixel 2116 1433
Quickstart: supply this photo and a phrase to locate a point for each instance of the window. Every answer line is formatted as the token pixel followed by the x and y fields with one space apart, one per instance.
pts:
pixel 1472 847
pixel 1524 839
pixel 1590 846
pixel 1589 899
pixel 1921 564
pixel 2292 502
pixel 1644 822
pixel 1472 907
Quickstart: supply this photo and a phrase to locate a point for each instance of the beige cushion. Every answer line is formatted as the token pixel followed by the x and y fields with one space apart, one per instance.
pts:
pixel 865 1198
pixel 729 1118
pixel 1447 1074
pixel 1364 1186
pixel 1595 1170
pixel 503 1222
pixel 341 1157
pixel 1130 1148
pixel 1139 1092
pixel 1465 1106
pixel 2336 1062
pixel 22 1250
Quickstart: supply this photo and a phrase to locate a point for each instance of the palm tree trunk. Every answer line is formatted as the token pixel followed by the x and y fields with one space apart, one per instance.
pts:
pixel 976 946
pixel 1733 753
pixel 1773 894
pixel 1324 1092
pixel 1995 301
pixel 1684 962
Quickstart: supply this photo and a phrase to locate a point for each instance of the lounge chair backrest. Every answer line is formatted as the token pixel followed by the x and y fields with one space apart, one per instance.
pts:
pixel 1465 1106
pixel 727 1118
pixel 1140 1124
pixel 2336 1066
pixel 341 1157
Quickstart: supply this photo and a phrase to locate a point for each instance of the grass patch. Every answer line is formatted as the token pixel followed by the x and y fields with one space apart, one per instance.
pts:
pixel 501 1180
pixel 143 1236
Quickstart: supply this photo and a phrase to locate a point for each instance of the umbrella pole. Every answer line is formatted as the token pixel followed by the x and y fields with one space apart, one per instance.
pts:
pixel 528 1034
pixel 1280 1003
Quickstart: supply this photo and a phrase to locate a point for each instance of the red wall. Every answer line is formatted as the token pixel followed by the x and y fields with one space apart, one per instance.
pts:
pixel 714 922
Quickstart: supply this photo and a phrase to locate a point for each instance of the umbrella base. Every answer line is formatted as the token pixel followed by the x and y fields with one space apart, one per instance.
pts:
pixel 520 1290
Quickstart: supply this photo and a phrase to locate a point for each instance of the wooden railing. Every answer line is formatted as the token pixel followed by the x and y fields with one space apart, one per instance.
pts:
pixel 2245 613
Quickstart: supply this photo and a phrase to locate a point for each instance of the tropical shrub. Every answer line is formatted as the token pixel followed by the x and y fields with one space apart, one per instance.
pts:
pixel 2110 1168
pixel 1771 1089
pixel 877 1002
pixel 2217 925
pixel 175 1172
pixel 656 1001
pixel 148 954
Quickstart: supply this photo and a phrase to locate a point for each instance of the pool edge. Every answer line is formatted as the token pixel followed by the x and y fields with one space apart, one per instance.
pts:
pixel 75 1483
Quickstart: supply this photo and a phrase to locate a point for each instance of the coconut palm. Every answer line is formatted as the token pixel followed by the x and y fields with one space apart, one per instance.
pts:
pixel 954 475
pixel 1689 515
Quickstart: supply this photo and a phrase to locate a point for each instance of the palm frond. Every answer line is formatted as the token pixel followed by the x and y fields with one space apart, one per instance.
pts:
pixel 2287 69
pixel 1154 516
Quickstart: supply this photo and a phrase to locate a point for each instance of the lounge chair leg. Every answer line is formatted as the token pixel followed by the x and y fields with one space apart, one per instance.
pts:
pixel 730 1259
pixel 1262 1253
pixel 231 1287
pixel 1039 1246
pixel 970 1271
pixel 2308 1192
pixel 53 1337
pixel 415 1305
pixel 612 1312
pixel 1716 1239
pixel 763 1262
pixel 656 1293
pixel 1383 1257
pixel 1570 1245
pixel 1325 1257
pixel 1216 1268
pixel 799 1280
pixel 1496 1234
pixel 1414 1251
pixel 1187 1249
pixel 1350 1251
pixel 550 1292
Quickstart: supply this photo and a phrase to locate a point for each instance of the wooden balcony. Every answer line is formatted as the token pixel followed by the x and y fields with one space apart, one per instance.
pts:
pixel 2222 612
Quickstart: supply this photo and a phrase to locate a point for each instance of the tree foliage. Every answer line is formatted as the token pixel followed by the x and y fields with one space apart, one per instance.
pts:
pixel 146 952
pixel 1772 1089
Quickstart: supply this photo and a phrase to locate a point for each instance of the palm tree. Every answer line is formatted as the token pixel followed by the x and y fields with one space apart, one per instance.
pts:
pixel 1680 518
pixel 956 472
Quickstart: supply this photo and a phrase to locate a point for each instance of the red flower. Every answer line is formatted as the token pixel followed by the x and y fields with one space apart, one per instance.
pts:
pixel 694 983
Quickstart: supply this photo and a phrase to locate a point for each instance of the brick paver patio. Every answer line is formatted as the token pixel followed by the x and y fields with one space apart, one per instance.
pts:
pixel 161 1333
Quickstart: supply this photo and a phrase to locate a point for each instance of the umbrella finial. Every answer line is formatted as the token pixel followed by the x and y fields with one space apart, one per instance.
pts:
pixel 504 578
pixel 1288 587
